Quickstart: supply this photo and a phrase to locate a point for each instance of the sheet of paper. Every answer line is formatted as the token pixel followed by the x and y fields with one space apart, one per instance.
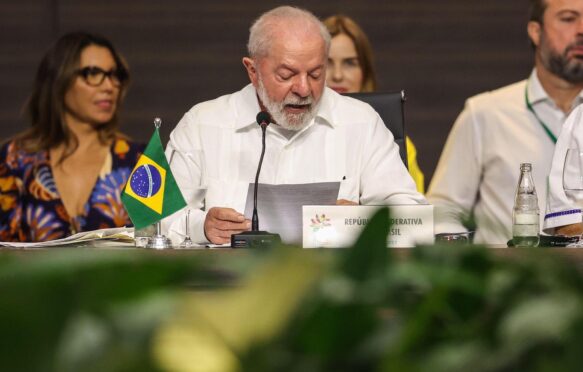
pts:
pixel 280 206
pixel 121 234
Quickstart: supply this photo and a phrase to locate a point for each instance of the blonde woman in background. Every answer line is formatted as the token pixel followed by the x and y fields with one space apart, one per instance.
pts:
pixel 350 70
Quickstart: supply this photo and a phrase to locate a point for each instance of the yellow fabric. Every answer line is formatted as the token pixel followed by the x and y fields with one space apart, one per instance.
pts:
pixel 414 169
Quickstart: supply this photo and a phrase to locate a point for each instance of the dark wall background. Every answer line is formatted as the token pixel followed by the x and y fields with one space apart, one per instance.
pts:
pixel 182 52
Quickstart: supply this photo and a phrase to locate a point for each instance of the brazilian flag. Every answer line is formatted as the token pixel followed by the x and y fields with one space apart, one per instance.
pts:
pixel 151 192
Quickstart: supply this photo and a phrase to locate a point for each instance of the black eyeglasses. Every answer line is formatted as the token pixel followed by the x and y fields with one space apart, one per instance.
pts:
pixel 95 76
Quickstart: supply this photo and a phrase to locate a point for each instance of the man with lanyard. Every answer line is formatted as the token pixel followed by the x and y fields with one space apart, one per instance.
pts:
pixel 478 171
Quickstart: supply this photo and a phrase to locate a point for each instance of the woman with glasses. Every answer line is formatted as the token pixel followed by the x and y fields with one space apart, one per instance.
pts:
pixel 66 172
pixel 350 70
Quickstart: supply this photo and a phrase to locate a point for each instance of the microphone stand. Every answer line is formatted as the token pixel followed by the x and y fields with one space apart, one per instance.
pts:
pixel 255 218
pixel 256 238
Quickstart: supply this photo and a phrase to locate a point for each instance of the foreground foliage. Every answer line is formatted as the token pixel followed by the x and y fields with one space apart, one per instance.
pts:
pixel 362 309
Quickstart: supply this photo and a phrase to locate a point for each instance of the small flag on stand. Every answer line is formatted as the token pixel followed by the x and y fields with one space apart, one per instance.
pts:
pixel 151 192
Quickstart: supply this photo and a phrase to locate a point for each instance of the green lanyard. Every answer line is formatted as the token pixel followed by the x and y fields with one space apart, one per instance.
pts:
pixel 542 123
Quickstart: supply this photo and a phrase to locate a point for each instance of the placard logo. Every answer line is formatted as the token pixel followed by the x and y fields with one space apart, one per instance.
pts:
pixel 320 222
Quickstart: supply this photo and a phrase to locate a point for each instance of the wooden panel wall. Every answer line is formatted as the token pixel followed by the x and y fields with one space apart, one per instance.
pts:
pixel 182 52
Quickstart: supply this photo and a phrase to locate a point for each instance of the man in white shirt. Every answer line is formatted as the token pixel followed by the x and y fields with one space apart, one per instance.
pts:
pixel 317 135
pixel 478 171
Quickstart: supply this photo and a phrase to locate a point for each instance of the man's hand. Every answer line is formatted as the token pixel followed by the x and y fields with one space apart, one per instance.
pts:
pixel 345 202
pixel 221 223
pixel 570 230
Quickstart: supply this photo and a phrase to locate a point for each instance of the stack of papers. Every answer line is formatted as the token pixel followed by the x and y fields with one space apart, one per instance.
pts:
pixel 118 234
pixel 280 206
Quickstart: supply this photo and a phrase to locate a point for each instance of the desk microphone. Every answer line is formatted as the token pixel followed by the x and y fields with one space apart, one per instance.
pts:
pixel 256 238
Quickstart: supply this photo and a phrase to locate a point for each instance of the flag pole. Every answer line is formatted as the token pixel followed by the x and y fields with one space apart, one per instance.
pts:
pixel 158 241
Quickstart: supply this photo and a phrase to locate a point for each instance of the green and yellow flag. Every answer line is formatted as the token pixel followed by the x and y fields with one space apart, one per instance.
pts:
pixel 151 192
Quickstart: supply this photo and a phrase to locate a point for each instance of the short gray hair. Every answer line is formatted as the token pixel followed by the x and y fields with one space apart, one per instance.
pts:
pixel 260 34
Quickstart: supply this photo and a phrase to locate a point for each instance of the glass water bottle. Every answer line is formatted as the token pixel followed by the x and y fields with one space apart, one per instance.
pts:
pixel 525 214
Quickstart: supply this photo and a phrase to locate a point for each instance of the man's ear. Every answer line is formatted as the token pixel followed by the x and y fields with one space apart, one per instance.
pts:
pixel 251 70
pixel 534 29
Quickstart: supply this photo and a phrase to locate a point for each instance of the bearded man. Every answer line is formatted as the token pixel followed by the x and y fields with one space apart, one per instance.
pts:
pixel 477 174
pixel 317 135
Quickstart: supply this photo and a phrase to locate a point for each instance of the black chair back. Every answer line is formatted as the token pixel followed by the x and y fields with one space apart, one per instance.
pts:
pixel 390 107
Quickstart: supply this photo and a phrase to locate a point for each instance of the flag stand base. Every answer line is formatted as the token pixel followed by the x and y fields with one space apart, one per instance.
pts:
pixel 159 242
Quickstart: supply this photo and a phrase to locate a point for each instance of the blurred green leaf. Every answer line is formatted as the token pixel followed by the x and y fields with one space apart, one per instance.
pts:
pixel 48 297
pixel 369 256
pixel 228 323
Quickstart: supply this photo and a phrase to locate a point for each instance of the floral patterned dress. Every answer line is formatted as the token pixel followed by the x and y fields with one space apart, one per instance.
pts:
pixel 31 208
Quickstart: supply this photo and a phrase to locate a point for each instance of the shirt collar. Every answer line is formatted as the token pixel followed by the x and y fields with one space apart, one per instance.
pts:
pixel 327 102
pixel 248 106
pixel 536 92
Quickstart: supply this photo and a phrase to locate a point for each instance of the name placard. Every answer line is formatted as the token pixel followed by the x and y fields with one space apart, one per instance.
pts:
pixel 338 226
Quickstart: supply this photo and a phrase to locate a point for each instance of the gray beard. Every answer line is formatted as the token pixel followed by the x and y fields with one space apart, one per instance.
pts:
pixel 295 122
pixel 570 70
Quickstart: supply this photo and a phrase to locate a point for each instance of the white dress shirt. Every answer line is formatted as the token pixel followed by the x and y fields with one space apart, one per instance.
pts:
pixel 560 209
pixel 479 168
pixel 221 142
